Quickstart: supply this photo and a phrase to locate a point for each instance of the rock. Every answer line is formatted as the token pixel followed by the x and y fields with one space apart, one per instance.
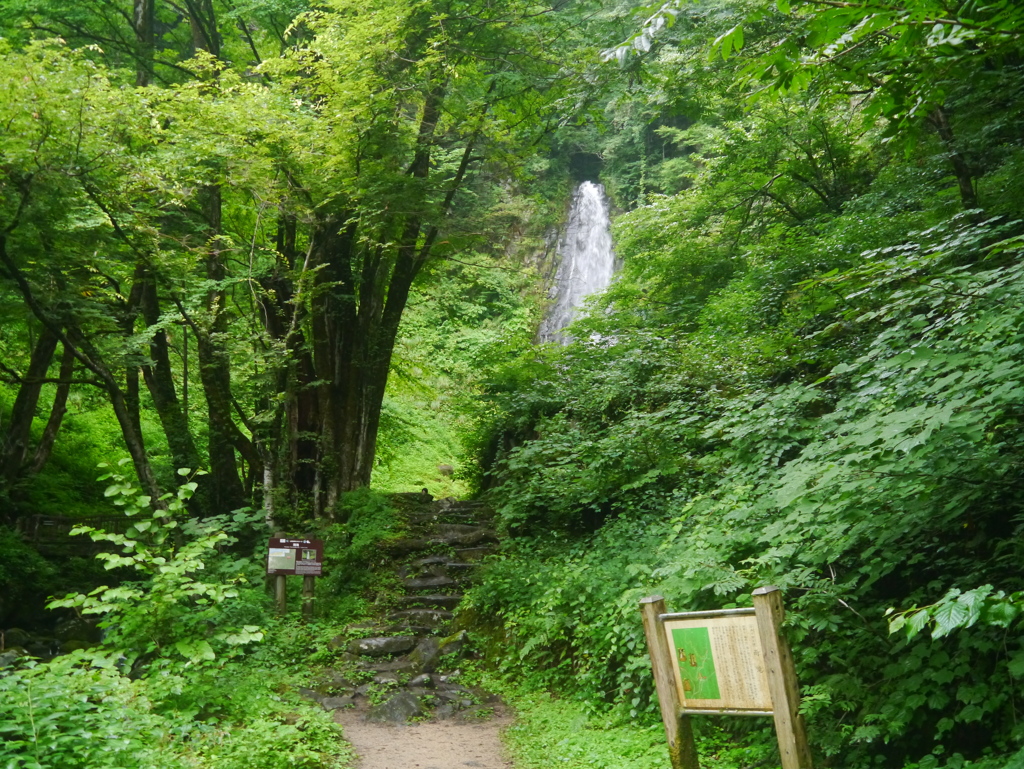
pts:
pixel 336 703
pixel 310 694
pixel 424 656
pixel 473 553
pixel 11 656
pixel 453 693
pixel 15 636
pixel 382 647
pixel 423 617
pixel 431 601
pixel 399 665
pixel 43 647
pixel 77 629
pixel 454 644
pixel 446 710
pixel 67 647
pixel 401 707
pixel 423 681
pixel 422 583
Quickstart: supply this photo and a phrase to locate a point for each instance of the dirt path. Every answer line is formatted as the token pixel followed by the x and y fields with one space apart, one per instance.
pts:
pixel 428 745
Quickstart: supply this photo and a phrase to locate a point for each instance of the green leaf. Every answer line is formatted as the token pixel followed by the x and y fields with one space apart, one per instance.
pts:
pixel 948 617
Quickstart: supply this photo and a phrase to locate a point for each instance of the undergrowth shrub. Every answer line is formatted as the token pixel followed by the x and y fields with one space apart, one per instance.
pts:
pixel 184 676
pixel 880 478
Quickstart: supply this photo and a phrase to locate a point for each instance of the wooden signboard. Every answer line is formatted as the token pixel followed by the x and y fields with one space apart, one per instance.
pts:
pixel 732 662
pixel 718 663
pixel 304 557
pixel 295 556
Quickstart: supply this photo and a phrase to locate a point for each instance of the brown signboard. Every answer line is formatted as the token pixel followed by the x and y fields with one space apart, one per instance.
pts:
pixel 725 661
pixel 718 663
pixel 295 556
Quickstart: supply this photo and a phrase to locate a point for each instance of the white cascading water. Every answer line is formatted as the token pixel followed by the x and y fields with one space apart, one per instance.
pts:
pixel 587 261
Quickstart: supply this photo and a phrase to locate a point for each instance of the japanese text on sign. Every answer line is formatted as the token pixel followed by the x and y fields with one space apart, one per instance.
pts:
pixel 719 663
pixel 295 556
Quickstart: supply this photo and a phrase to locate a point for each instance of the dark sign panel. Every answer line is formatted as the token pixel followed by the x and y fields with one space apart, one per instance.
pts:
pixel 296 556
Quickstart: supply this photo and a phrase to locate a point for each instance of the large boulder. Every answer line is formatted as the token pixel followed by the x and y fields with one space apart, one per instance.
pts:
pixel 401 707
pixel 382 647
pixel 77 629
pixel 15 636
pixel 454 645
pixel 336 703
pixel 424 657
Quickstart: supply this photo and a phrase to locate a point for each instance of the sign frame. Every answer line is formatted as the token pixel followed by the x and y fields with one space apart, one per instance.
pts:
pixel 288 552
pixel 724 621
pixel 780 673
pixel 294 556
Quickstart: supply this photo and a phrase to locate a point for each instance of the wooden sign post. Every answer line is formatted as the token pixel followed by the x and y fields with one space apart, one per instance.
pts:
pixel 729 662
pixel 295 556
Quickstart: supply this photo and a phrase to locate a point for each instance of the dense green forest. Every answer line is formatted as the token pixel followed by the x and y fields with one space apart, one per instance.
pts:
pixel 267 265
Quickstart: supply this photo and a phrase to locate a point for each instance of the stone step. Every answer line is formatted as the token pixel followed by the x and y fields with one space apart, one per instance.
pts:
pixel 383 646
pixel 461 504
pixel 399 665
pixel 474 553
pixel 409 545
pixel 464 535
pixel 420 631
pixel 425 583
pixel 423 617
pixel 430 560
pixel 449 601
pixel 445 569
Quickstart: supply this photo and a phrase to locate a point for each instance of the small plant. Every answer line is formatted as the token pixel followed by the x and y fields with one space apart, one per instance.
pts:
pixel 172 611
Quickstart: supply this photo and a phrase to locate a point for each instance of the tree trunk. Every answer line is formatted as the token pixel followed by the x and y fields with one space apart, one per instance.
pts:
pixel 961 170
pixel 203 23
pixel 159 378
pixel 144 22
pixel 57 412
pixel 15 445
pixel 226 489
pixel 355 320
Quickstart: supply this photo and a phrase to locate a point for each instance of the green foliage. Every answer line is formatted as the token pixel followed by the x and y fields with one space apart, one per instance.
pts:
pixel 79 712
pixel 155 693
pixel 807 374
pixel 465 321
pixel 963 609
pixel 24 575
pixel 169 613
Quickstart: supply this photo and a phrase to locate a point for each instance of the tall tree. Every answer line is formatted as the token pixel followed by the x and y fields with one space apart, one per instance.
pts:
pixel 431 93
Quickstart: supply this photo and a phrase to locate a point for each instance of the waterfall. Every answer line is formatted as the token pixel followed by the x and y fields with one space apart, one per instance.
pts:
pixel 586 260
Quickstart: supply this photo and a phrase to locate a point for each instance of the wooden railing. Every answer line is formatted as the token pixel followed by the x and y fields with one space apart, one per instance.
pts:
pixel 56 529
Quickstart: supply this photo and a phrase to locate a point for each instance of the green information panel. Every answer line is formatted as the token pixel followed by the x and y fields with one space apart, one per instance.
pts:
pixel 696 663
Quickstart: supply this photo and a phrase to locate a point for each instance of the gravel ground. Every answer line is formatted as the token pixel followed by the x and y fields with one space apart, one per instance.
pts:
pixel 429 745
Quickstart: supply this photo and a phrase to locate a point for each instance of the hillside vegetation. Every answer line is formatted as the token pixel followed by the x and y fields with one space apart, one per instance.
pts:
pixel 269 262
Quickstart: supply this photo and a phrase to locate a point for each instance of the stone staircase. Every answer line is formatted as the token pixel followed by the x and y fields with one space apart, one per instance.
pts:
pixel 405 664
